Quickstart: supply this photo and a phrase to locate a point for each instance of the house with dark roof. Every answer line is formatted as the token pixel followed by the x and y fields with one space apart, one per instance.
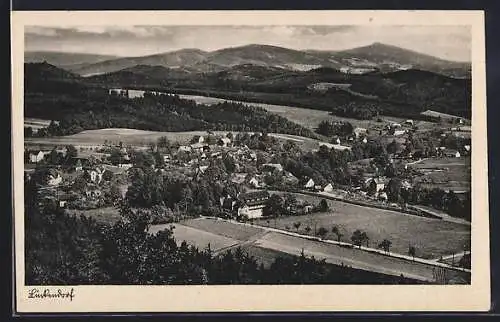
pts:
pixel 252 204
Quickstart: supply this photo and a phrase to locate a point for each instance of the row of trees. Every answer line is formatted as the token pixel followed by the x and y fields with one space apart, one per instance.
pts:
pixel 278 206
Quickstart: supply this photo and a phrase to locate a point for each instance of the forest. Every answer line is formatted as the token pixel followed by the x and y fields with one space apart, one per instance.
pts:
pixel 79 112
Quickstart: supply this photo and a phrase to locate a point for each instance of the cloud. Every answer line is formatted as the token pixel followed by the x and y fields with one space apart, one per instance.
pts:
pixel 40 31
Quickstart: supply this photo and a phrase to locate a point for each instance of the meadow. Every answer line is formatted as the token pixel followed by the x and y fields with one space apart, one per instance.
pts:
pixel 431 237
pixel 196 237
pixel 445 173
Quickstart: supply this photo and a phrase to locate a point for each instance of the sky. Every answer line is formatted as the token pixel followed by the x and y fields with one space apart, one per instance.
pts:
pixel 446 42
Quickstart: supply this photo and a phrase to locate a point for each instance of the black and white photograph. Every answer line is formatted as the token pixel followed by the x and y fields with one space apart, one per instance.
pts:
pixel 247 155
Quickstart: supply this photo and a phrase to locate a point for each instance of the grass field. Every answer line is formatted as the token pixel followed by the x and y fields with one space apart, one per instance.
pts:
pixel 445 173
pixel 196 237
pixel 223 228
pixel 127 136
pixel 348 256
pixel 265 247
pixel 143 138
pixel 108 215
pixel 432 237
pixel 264 255
pixel 306 117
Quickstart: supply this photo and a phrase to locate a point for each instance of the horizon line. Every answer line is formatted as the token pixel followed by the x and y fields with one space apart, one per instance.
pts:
pixel 250 44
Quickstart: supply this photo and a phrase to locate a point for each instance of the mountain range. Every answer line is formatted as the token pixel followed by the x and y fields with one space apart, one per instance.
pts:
pixel 374 57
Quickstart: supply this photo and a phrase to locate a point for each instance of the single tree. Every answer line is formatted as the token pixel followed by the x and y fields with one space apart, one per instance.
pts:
pixel 307 229
pixel 365 239
pixel 323 205
pixel 336 231
pixel 71 152
pixel 297 225
pixel 356 238
pixel 360 237
pixel 412 251
pixel 322 231
pixel 385 245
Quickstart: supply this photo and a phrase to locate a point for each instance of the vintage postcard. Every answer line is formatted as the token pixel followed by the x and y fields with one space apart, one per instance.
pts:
pixel 184 161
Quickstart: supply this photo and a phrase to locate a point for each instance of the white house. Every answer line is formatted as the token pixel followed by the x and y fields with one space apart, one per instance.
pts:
pixel 380 183
pixel 364 140
pixel 254 182
pixel 252 203
pixel 409 122
pixel 184 148
pixel 125 165
pixel 201 169
pixel 399 132
pixel 359 130
pixel 36 157
pixel 382 196
pixel 198 139
pixel 54 179
pixel 309 184
pixel 225 142
pixel 467 148
pixel 328 188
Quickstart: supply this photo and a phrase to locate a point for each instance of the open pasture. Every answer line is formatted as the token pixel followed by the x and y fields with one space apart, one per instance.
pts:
pixel 223 228
pixel 445 173
pixel 347 256
pixel 431 237
pixel 196 237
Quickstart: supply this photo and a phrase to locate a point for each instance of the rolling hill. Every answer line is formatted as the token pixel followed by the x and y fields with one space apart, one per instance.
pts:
pixel 64 59
pixel 387 57
pixel 180 58
pixel 374 57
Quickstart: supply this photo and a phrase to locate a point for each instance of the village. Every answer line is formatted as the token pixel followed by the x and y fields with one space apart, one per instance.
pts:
pixel 94 175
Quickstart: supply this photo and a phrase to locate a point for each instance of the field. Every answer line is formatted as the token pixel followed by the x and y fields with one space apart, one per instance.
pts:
pixel 108 215
pixel 265 246
pixel 348 256
pixel 143 138
pixel 431 237
pixel 197 237
pixel 35 123
pixel 445 173
pixel 306 117
pixel 127 136
pixel 224 228
pixel 264 255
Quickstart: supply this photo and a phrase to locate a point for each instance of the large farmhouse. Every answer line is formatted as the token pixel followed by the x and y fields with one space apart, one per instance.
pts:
pixel 252 204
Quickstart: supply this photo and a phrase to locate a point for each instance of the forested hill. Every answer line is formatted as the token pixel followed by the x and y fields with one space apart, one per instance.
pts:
pixel 54 94
pixel 403 93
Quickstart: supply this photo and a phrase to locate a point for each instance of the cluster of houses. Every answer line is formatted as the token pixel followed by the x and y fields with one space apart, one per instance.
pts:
pixel 251 205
